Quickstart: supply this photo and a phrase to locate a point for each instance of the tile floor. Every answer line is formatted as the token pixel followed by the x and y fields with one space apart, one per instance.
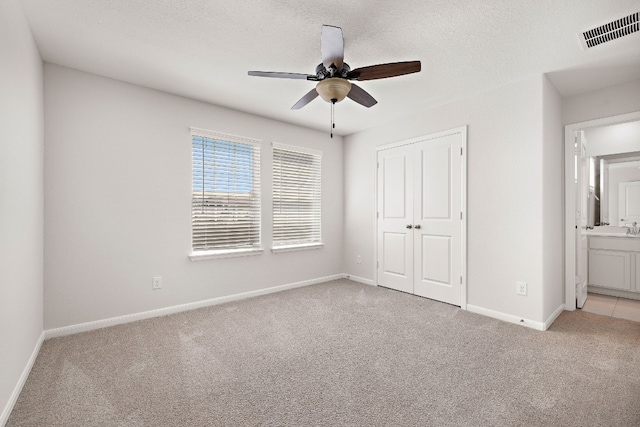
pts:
pixel 613 306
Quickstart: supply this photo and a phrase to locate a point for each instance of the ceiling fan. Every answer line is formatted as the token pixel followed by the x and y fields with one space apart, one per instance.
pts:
pixel 333 74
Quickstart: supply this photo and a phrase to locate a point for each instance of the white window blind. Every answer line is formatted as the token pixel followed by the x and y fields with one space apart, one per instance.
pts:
pixel 296 196
pixel 225 207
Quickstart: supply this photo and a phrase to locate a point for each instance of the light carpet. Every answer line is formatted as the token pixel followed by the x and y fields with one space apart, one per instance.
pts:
pixel 338 354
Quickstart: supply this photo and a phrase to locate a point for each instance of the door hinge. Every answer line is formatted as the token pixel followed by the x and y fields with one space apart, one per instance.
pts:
pixel 461 151
pixel 461 280
pixel 378 163
pixel 461 215
pixel 377 264
pixel 377 214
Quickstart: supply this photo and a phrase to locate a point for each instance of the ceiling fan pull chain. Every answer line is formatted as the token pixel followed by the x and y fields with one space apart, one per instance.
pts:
pixel 333 123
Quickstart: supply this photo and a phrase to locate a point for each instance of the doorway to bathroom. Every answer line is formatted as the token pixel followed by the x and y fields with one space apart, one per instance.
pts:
pixel 602 203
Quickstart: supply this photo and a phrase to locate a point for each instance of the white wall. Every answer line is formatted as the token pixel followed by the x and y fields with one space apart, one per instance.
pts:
pixel 614 139
pixel 21 198
pixel 610 101
pixel 118 205
pixel 552 200
pixel 506 212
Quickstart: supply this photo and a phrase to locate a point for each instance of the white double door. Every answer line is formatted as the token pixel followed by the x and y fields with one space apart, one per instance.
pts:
pixel 419 218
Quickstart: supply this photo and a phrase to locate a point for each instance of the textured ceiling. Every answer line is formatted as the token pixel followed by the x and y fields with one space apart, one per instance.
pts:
pixel 203 49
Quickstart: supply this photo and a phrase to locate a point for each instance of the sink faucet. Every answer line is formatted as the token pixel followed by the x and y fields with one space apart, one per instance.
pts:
pixel 634 229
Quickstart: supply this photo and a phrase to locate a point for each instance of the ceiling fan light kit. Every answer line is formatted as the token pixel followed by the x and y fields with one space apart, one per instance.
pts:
pixel 333 74
pixel 333 89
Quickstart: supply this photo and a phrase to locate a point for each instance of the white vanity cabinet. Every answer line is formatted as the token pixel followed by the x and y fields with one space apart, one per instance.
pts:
pixel 614 264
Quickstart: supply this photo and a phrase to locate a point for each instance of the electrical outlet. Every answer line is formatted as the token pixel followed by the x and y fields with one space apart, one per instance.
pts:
pixel 521 288
pixel 156 283
pixel 358 259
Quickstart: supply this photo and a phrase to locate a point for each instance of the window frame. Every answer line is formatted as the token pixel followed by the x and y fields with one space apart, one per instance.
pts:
pixel 206 254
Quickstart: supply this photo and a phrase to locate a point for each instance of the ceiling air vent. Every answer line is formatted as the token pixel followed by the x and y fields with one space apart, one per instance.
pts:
pixel 611 31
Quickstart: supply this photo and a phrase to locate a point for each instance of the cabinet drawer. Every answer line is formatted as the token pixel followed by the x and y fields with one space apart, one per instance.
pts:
pixel 615 243
pixel 610 269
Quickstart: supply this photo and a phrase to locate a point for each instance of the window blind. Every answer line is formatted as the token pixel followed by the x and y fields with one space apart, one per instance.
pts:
pixel 225 207
pixel 296 196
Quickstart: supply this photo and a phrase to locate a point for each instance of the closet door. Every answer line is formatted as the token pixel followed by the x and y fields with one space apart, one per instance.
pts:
pixel 395 218
pixel 437 219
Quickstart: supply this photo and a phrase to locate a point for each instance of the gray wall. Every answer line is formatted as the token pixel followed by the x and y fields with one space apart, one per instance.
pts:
pixel 509 156
pixel 610 101
pixel 552 200
pixel 118 201
pixel 21 199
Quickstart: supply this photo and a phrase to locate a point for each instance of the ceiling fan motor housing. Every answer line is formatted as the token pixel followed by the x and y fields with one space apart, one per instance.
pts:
pixel 334 88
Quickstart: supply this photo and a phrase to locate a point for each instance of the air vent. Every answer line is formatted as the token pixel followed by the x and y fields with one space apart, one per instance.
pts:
pixel 611 31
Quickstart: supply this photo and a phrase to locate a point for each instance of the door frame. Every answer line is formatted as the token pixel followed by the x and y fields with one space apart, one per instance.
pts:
pixel 463 202
pixel 570 197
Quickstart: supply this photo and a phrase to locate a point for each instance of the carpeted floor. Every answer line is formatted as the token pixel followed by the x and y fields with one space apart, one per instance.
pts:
pixel 335 354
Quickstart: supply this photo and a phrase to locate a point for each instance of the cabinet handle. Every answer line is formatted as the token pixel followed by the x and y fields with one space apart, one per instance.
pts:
pixel 409 226
pixel 417 227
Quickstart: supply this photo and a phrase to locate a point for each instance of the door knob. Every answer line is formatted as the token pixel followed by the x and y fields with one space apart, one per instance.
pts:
pixel 417 227
pixel 409 226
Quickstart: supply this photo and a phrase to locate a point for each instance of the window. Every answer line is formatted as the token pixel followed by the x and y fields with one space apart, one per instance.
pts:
pixel 296 197
pixel 225 206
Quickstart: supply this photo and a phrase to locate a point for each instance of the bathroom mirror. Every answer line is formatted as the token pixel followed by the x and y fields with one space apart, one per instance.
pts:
pixel 614 189
pixel 613 174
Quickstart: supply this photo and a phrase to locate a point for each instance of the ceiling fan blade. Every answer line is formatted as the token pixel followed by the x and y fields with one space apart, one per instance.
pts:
pixel 279 75
pixel 332 46
pixel 310 96
pixel 382 71
pixel 361 96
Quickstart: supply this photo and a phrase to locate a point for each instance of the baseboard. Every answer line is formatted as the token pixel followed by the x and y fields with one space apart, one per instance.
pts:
pixel 539 326
pixel 128 318
pixel 4 416
pixel 553 317
pixel 359 279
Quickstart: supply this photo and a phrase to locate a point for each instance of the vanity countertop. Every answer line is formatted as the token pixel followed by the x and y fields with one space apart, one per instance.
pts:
pixel 610 231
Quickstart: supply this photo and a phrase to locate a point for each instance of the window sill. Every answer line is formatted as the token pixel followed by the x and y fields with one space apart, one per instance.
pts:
pixel 292 248
pixel 228 253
